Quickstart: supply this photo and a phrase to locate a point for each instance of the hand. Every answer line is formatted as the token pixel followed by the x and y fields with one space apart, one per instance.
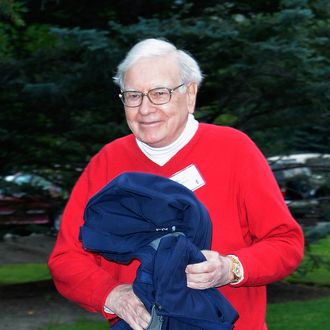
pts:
pixel 214 272
pixel 123 302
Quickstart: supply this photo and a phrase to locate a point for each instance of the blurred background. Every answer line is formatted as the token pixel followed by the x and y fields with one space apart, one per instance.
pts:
pixel 267 71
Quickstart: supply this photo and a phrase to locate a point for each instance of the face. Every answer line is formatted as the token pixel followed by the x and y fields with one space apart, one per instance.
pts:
pixel 158 125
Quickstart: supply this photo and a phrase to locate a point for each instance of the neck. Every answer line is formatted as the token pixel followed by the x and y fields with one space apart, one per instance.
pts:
pixel 163 154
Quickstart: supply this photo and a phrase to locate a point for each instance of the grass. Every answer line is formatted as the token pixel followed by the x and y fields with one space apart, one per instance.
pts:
pixel 319 274
pixel 315 268
pixel 81 324
pixel 23 273
pixel 302 315
pixel 311 314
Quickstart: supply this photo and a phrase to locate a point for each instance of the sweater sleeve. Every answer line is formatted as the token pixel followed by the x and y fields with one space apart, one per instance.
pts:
pixel 79 275
pixel 277 242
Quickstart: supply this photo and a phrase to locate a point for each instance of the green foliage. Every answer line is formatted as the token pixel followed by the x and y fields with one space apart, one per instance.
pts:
pixel 267 72
pixel 266 67
pixel 10 24
pixel 37 38
pixel 12 12
pixel 57 105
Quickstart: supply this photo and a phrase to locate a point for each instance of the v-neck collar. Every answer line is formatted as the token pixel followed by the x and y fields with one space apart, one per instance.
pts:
pixel 171 163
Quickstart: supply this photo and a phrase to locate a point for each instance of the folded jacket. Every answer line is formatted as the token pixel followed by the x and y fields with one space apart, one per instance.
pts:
pixel 164 225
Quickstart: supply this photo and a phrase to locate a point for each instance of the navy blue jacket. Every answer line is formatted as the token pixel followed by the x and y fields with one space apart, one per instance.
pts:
pixel 163 224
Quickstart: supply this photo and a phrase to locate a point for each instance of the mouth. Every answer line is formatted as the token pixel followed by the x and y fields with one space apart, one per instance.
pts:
pixel 149 123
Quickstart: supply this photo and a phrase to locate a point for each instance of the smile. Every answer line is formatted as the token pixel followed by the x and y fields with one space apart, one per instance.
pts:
pixel 151 123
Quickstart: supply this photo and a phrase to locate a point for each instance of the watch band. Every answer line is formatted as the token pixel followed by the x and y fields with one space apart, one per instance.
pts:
pixel 236 268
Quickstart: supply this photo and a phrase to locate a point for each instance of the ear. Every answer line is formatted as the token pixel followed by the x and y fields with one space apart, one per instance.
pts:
pixel 191 96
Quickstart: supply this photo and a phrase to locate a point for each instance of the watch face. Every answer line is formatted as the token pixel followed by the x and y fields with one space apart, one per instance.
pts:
pixel 236 269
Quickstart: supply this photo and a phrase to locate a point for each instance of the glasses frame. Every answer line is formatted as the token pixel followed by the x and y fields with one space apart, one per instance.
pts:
pixel 170 90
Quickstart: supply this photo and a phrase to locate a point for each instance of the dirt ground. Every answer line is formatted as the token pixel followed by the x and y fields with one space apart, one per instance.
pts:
pixel 31 306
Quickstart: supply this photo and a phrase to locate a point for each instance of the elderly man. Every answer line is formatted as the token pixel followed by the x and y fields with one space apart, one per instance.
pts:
pixel 255 241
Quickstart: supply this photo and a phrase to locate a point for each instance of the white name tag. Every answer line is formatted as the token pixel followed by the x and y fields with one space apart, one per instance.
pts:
pixel 189 177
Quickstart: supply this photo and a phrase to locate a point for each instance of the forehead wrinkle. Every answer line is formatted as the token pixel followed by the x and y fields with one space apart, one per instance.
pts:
pixel 145 90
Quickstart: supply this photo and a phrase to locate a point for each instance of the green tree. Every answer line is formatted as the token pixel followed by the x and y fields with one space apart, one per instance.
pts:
pixel 266 67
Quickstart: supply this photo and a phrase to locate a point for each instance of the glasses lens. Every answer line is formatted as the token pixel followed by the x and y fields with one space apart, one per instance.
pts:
pixel 159 95
pixel 132 99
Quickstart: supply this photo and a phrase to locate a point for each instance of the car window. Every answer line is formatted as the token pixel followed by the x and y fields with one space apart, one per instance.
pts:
pixel 22 179
pixel 38 181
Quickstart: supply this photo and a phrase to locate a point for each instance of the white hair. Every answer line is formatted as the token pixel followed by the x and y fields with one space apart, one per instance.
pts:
pixel 189 68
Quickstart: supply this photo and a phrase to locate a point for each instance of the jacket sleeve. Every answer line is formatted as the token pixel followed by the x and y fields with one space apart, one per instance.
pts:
pixel 276 244
pixel 78 275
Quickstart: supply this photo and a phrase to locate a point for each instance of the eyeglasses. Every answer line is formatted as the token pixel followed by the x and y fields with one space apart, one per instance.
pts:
pixel 157 96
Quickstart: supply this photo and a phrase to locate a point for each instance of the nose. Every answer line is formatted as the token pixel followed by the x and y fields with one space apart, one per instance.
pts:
pixel 146 106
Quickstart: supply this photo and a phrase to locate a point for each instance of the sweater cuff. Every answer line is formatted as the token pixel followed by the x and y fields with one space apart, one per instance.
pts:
pixel 107 310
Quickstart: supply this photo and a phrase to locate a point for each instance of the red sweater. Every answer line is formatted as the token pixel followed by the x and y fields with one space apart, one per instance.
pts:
pixel 249 218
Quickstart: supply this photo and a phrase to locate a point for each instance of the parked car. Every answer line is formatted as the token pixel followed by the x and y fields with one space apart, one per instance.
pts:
pixel 304 180
pixel 27 198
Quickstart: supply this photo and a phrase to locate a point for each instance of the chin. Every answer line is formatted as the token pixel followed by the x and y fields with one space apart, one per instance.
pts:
pixel 154 144
pixel 152 141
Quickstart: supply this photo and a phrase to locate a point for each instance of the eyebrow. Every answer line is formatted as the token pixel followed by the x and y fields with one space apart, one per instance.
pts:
pixel 165 85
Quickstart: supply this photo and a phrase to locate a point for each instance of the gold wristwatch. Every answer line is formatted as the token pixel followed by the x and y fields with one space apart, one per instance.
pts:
pixel 236 268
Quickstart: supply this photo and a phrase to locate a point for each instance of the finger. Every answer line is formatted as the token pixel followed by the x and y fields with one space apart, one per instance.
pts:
pixel 129 307
pixel 144 317
pixel 139 319
pixel 200 277
pixel 198 268
pixel 207 253
pixel 135 326
pixel 211 255
pixel 198 285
